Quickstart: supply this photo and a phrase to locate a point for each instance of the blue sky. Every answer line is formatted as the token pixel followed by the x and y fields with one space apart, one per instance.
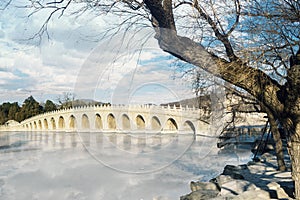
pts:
pixel 46 68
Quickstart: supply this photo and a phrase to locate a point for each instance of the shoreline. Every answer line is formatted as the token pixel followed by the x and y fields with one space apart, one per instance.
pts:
pixel 254 180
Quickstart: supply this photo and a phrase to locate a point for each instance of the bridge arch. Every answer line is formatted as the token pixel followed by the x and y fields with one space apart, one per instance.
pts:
pixel 189 126
pixel 135 118
pixel 125 122
pixel 72 122
pixel 171 125
pixel 61 122
pixel 45 124
pixel 155 123
pixel 40 125
pixel 52 122
pixel 85 123
pixel 140 122
pixel 98 121
pixel 111 122
pixel 34 125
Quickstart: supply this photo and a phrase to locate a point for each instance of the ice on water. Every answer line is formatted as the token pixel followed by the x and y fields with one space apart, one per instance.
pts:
pixel 59 165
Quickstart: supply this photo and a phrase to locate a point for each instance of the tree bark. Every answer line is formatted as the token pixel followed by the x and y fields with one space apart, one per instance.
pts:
pixel 295 159
pixel 277 140
pixel 292 107
pixel 293 124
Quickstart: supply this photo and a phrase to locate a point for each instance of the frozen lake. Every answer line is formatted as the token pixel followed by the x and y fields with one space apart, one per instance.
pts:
pixel 59 165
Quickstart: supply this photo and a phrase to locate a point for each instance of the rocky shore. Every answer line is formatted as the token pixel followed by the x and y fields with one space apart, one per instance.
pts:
pixel 254 180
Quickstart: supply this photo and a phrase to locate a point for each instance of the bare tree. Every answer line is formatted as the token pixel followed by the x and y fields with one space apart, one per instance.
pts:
pixel 66 100
pixel 246 43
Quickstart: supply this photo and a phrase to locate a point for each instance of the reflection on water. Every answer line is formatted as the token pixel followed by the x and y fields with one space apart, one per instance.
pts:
pixel 48 140
pixel 138 142
pixel 173 159
pixel 150 151
pixel 73 140
pixel 108 148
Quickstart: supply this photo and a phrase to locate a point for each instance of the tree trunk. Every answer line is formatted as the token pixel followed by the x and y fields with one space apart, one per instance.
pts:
pixel 277 140
pixel 295 159
pixel 292 107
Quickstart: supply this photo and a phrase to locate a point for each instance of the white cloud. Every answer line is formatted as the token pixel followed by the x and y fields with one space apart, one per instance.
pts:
pixel 113 74
pixel 74 59
pixel 50 68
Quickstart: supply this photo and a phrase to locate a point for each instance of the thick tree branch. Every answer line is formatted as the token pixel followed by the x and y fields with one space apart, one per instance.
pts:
pixel 160 11
pixel 238 73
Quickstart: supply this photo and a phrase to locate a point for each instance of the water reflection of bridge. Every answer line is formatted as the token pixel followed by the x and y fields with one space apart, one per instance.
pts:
pixel 94 140
pixel 117 118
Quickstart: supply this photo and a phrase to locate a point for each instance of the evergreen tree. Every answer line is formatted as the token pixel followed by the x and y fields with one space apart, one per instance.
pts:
pixel 13 111
pixel 9 111
pixel 49 106
pixel 30 108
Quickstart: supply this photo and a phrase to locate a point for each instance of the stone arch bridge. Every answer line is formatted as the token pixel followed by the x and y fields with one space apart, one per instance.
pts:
pixel 118 118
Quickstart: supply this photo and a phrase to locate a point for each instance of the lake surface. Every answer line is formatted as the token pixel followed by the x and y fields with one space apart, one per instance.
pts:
pixel 59 165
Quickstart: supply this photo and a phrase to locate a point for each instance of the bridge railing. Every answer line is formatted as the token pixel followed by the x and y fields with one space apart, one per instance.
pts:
pixel 131 107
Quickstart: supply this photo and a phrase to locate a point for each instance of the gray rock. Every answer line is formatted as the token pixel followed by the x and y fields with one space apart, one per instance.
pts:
pixel 204 186
pixel 221 179
pixel 234 171
pixel 200 194
pixel 251 163
pixel 236 168
pixel 236 187
pixel 254 194
pixel 280 192
pixel 289 188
